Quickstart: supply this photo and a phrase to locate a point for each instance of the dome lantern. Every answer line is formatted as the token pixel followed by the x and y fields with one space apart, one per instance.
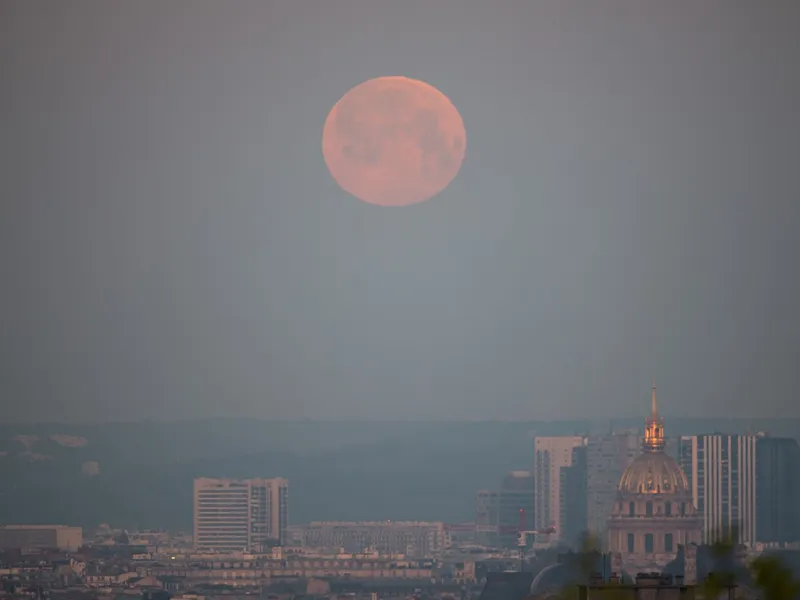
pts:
pixel 654 471
pixel 654 427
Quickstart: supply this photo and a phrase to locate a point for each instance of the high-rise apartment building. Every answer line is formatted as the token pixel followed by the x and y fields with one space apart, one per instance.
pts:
pixel 777 490
pixel 239 515
pixel 721 470
pixel 550 455
pixel 607 457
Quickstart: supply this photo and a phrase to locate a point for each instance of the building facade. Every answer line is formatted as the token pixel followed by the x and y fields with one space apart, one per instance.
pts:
pixel 654 512
pixel 607 457
pixel 40 537
pixel 721 470
pixel 516 494
pixel 573 498
pixel 550 455
pixel 418 539
pixel 249 572
pixel 240 515
pixel 777 490
pixel 487 517
pixel 497 513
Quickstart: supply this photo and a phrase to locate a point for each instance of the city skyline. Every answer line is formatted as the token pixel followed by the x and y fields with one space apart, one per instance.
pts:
pixel 735 487
pixel 320 457
pixel 368 300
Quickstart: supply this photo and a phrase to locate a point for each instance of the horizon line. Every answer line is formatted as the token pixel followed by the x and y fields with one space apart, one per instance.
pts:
pixel 176 421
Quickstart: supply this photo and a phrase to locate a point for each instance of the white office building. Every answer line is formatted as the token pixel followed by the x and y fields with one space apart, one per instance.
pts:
pixel 239 515
pixel 721 470
pixel 550 455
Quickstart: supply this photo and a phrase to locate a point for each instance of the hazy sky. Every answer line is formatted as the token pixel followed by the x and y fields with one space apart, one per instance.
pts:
pixel 172 245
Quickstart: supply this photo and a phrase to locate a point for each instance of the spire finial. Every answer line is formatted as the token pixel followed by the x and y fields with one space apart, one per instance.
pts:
pixel 654 404
pixel 654 430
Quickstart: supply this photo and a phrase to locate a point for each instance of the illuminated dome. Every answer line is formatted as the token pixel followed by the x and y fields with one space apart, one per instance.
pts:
pixel 654 473
pixel 654 513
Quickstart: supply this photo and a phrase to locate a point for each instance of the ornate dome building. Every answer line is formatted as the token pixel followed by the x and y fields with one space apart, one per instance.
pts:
pixel 653 513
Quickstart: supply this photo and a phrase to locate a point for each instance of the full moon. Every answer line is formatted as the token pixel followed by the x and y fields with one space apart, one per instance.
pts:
pixel 394 141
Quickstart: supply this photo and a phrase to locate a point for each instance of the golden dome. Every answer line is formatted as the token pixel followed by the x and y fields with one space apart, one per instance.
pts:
pixel 654 473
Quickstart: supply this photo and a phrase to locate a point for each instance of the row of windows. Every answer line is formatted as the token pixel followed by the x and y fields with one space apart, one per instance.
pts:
pixel 649 543
pixel 222 510
pixel 649 509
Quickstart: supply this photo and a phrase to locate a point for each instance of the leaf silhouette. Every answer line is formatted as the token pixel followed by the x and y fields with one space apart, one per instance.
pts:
pixel 774 578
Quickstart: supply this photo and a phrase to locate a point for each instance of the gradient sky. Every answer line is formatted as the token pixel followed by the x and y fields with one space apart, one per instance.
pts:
pixel 172 245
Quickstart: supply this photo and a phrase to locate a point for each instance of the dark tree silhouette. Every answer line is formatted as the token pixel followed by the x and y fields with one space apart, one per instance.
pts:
pixel 774 579
pixel 770 577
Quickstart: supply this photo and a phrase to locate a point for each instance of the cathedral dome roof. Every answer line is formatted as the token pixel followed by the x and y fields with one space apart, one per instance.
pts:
pixel 654 473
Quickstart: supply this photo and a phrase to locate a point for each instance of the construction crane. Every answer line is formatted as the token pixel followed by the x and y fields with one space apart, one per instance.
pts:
pixel 522 536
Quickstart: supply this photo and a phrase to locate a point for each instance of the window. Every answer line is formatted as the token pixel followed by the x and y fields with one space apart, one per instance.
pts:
pixel 683 509
pixel 631 545
pixel 648 543
pixel 668 509
pixel 668 543
pixel 649 509
pixel 631 510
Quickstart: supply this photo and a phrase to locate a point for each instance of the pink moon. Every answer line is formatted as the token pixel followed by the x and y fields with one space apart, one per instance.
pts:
pixel 394 141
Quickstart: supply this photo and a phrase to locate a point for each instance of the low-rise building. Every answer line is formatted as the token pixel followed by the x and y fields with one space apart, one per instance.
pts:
pixel 255 570
pixel 417 539
pixel 40 537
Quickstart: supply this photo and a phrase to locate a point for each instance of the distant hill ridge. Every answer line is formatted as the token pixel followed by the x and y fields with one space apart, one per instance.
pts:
pixel 379 470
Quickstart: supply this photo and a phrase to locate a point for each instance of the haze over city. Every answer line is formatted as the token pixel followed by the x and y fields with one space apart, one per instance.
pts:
pixel 371 299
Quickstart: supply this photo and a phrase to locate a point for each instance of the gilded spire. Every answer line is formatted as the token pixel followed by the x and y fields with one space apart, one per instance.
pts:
pixel 654 404
pixel 654 430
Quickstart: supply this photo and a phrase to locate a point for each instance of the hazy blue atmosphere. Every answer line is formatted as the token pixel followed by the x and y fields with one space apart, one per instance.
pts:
pixel 173 247
pixel 337 471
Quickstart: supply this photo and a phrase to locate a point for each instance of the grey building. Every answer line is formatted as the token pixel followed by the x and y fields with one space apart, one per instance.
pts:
pixel 486 517
pixel 497 513
pixel 516 495
pixel 607 457
pixel 40 537
pixel 573 498
pixel 777 490
pixel 672 447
